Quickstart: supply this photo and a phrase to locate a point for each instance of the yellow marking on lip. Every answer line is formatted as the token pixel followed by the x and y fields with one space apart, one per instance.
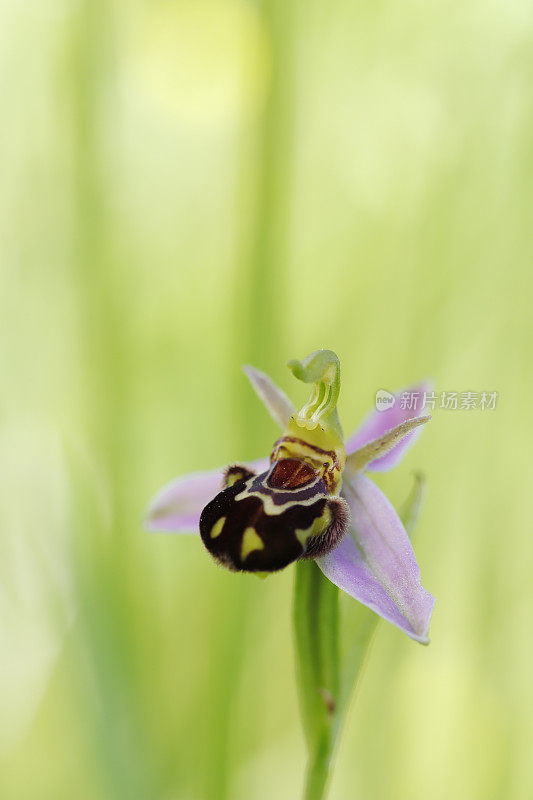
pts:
pixel 250 542
pixel 317 527
pixel 302 534
pixel 216 530
pixel 233 477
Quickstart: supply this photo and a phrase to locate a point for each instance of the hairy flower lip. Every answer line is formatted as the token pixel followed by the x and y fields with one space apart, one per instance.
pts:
pixel 374 563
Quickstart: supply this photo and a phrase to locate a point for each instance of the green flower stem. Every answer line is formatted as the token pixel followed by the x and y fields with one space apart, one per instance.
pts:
pixel 327 673
pixel 318 770
pixel 317 658
pixel 324 688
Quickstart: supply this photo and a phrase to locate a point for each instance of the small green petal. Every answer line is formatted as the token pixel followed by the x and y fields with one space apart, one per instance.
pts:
pixel 383 444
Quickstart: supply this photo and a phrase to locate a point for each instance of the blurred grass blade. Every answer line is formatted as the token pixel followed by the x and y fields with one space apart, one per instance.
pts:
pixel 410 513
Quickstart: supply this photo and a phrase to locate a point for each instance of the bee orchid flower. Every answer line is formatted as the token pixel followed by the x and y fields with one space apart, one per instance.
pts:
pixel 312 499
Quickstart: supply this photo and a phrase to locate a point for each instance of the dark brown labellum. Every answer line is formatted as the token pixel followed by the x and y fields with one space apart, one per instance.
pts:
pixel 261 523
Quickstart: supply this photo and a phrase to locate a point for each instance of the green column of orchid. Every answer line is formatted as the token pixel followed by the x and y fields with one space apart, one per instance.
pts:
pixel 319 417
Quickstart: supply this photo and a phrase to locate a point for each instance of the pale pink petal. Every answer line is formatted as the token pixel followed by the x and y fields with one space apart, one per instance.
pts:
pixel 176 508
pixel 276 401
pixel 375 562
pixel 379 422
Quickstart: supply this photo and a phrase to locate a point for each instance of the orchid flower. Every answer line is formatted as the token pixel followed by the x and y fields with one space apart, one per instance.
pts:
pixel 311 499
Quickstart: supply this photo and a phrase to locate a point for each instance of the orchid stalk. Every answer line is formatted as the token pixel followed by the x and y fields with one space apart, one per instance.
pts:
pixel 311 502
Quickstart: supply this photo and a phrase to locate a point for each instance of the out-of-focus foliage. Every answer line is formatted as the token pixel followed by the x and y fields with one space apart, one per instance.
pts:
pixel 186 186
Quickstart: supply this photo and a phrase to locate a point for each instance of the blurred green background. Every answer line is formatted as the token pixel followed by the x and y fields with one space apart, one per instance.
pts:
pixel 187 186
